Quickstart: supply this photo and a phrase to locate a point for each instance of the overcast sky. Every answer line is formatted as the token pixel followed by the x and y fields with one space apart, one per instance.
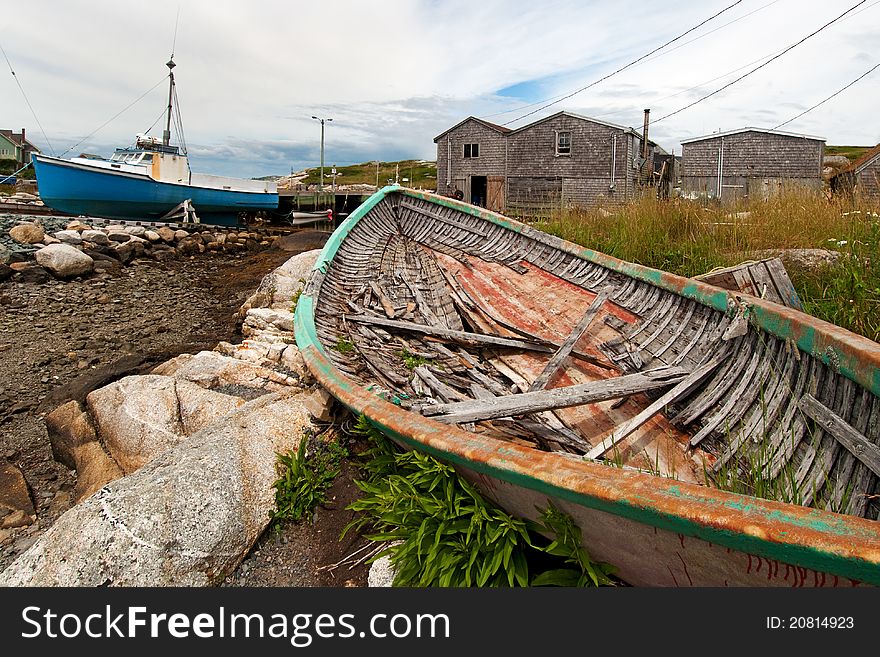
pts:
pixel 394 74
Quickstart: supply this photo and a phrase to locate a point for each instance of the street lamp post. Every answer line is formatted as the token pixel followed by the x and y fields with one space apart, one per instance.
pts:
pixel 321 187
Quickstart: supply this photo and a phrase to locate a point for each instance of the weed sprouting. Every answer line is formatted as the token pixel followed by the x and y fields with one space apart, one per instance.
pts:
pixel 304 477
pixel 344 345
pixel 413 361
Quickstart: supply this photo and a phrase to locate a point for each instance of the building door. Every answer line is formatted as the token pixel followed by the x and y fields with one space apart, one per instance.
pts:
pixel 495 193
pixel 479 189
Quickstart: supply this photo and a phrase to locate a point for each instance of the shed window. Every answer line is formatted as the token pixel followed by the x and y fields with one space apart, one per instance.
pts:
pixel 563 143
pixel 472 150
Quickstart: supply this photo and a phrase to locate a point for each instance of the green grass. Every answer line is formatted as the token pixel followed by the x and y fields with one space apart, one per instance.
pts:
pixel 851 152
pixel 420 174
pixel 687 238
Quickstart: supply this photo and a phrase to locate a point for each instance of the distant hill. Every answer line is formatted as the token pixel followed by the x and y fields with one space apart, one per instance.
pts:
pixel 852 153
pixel 418 173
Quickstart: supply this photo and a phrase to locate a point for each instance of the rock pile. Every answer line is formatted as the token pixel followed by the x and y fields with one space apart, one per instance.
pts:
pixel 175 468
pixel 77 248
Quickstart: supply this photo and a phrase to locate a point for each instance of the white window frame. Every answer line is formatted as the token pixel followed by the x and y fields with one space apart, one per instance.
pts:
pixel 559 153
pixel 464 150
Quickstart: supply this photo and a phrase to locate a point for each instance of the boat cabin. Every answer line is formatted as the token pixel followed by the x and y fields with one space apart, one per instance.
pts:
pixel 149 157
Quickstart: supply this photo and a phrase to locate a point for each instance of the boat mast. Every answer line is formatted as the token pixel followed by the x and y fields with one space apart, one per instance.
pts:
pixel 166 135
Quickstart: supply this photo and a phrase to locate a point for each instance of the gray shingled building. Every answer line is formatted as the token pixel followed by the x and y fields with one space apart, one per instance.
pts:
pixel 561 160
pixel 750 163
pixel 861 179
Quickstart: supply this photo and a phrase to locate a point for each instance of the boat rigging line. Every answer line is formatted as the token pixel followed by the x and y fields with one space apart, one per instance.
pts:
pixel 30 107
pixel 760 66
pixel 115 116
pixel 623 68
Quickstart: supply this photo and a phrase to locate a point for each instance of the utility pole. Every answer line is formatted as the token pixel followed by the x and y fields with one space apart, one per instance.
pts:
pixel 377 174
pixel 645 149
pixel 321 186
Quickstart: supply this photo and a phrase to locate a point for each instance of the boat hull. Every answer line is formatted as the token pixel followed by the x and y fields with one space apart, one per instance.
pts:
pixel 656 531
pixel 82 190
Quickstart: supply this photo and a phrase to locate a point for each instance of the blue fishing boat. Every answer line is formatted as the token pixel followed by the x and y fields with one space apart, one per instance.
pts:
pixel 149 181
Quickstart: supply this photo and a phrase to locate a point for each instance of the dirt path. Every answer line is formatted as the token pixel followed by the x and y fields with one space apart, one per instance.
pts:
pixel 60 340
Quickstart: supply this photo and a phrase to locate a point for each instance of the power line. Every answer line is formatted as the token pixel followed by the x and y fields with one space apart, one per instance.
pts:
pixel 623 68
pixel 48 143
pixel 866 73
pixel 696 86
pixel 760 66
pixel 712 31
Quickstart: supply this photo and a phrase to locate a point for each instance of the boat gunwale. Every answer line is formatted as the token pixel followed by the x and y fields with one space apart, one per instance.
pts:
pixel 824 541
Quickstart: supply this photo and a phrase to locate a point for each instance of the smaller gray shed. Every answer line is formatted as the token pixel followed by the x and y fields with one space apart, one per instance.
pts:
pixel 750 163
pixel 861 179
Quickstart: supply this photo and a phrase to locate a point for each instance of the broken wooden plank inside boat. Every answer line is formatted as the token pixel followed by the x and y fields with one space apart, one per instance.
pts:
pixel 483 333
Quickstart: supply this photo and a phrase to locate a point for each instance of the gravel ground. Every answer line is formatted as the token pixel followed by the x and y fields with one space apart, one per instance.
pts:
pixel 60 340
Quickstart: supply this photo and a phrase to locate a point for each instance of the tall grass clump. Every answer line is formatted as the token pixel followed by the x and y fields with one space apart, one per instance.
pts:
pixel 688 238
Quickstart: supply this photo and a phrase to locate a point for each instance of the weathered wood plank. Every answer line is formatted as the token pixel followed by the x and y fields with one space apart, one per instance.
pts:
pixel 843 473
pixel 860 447
pixel 545 400
pixel 682 388
pixel 784 286
pixel 445 220
pixel 563 352
pixel 387 306
pixel 463 337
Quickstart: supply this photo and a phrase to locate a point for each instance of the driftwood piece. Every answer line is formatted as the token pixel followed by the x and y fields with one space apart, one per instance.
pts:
pixel 681 388
pixel 443 391
pixel 563 352
pixel 463 337
pixel 765 278
pixel 387 306
pixel 860 447
pixel 545 400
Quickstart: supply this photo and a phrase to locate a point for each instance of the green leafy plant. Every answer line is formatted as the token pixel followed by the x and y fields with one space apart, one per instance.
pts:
pixel 581 570
pixel 304 477
pixel 295 300
pixel 441 532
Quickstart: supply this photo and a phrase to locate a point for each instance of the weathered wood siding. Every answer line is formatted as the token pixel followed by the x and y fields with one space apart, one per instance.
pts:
pixel 582 178
pixel 533 177
pixel 490 161
pixel 868 183
pixel 754 164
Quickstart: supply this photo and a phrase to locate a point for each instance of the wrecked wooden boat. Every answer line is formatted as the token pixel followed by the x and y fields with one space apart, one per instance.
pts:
pixel 629 397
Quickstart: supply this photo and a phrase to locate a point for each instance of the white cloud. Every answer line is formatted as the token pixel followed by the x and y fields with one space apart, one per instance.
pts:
pixel 394 74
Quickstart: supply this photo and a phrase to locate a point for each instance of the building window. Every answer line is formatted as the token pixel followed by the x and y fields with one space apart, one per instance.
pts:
pixel 472 150
pixel 563 143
